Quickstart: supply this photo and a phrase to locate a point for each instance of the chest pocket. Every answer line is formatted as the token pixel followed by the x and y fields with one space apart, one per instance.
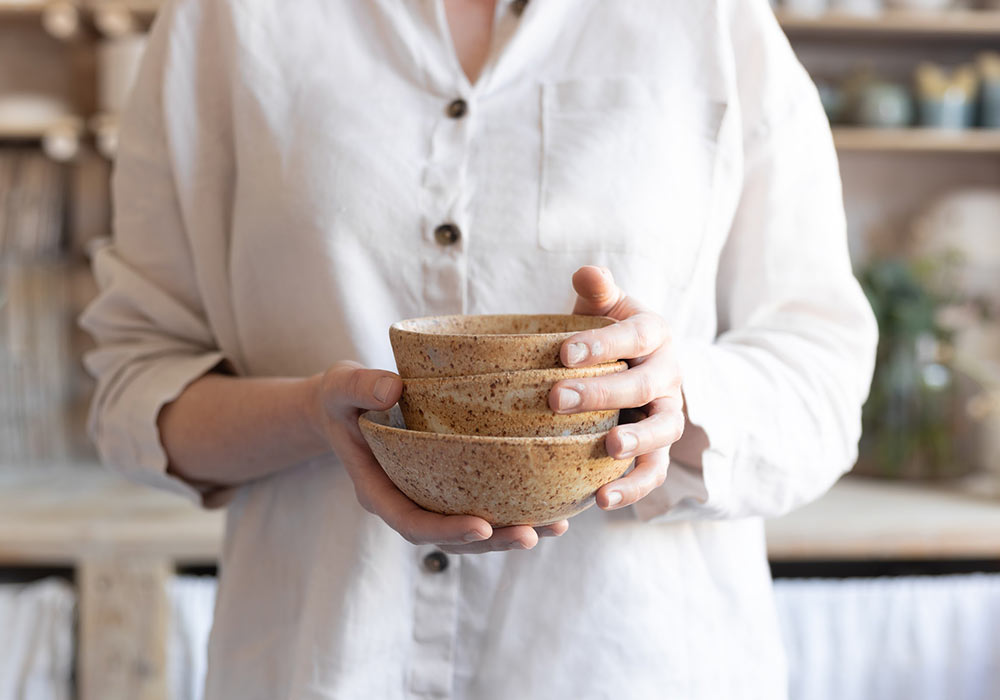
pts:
pixel 627 167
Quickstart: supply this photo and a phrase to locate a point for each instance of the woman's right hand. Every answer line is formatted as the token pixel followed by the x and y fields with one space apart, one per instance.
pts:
pixel 343 393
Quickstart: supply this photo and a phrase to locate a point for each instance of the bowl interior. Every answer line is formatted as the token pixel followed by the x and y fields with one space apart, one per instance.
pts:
pixel 503 324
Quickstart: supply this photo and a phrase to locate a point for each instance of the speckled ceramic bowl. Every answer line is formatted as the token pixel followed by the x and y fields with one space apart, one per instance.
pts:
pixel 506 481
pixel 452 346
pixel 503 404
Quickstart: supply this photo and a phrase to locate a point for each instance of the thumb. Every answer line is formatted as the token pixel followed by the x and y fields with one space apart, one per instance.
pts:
pixel 597 293
pixel 351 386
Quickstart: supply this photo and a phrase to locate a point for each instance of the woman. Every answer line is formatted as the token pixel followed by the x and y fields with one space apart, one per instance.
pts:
pixel 294 177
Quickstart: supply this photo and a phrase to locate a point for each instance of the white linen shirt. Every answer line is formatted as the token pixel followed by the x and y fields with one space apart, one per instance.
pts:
pixel 282 171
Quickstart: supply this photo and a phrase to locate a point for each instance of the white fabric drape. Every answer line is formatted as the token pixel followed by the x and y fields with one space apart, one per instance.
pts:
pixel 909 638
pixel 36 640
pixel 192 600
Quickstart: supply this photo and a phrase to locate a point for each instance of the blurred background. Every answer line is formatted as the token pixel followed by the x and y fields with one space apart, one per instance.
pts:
pixel 888 587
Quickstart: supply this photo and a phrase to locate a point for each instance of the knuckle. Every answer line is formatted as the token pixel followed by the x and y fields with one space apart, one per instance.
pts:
pixel 594 394
pixel 364 502
pixel 354 384
pixel 666 334
pixel 646 390
pixel 634 492
pixel 641 336
pixel 406 527
pixel 678 430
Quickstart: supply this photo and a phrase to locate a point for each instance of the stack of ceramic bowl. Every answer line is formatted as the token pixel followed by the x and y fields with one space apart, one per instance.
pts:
pixel 473 433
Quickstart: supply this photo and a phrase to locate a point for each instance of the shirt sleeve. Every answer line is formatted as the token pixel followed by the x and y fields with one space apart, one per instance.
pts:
pixel 149 320
pixel 779 391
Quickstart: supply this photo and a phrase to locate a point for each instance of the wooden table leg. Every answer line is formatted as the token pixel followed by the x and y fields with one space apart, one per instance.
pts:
pixel 122 638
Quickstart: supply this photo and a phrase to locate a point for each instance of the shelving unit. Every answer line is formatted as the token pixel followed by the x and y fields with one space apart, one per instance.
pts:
pixel 866 519
pixel 60 139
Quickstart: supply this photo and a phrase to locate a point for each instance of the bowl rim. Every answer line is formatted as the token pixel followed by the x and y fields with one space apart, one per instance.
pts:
pixel 397 327
pixel 600 370
pixel 558 440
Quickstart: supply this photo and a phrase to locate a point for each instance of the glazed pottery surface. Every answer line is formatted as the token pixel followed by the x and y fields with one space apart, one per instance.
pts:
pixel 504 404
pixel 451 346
pixel 506 481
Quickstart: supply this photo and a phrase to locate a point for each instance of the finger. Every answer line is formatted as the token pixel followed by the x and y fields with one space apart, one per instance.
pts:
pixel 649 473
pixel 662 428
pixel 348 387
pixel 635 337
pixel 554 530
pixel 503 539
pixel 634 387
pixel 378 495
pixel 598 295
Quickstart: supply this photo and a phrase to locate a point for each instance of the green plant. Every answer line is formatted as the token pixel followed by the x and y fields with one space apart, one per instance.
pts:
pixel 909 420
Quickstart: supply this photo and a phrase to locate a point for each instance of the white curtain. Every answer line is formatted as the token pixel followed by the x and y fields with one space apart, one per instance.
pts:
pixel 36 640
pixel 915 638
pixel 908 638
pixel 192 604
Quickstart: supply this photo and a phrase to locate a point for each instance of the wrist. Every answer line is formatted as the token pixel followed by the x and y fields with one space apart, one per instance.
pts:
pixel 311 410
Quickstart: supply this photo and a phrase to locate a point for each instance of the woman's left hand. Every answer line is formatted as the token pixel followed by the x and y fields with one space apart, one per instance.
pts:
pixel 652 383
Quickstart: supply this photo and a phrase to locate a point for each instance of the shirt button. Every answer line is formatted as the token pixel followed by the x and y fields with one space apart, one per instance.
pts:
pixel 436 562
pixel 457 108
pixel 447 234
pixel 517 7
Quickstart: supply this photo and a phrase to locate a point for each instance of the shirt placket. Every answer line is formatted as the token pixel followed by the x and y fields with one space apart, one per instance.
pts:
pixel 435 623
pixel 447 188
pixel 446 197
pixel 445 224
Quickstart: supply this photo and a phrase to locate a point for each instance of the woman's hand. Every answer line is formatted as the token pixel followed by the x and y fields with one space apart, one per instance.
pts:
pixel 652 383
pixel 342 394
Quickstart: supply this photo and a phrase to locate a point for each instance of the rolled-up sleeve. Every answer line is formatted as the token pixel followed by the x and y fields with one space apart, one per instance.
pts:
pixel 149 320
pixel 779 391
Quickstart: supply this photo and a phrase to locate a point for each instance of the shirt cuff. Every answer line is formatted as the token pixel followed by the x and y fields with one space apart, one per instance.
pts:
pixel 698 491
pixel 126 432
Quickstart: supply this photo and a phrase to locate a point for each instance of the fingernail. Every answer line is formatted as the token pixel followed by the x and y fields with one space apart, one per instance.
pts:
pixel 614 498
pixel 474 536
pixel 629 442
pixel 605 272
pixel 577 353
pixel 382 388
pixel 567 399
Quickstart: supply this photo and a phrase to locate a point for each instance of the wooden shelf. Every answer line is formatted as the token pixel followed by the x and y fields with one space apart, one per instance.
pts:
pixel 60 139
pixel 63 515
pixel 19 9
pixel 69 19
pixel 851 139
pixel 957 24
pixel 863 519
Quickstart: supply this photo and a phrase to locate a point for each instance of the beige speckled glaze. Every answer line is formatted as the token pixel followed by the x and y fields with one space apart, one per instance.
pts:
pixel 503 404
pixel 506 481
pixel 451 346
